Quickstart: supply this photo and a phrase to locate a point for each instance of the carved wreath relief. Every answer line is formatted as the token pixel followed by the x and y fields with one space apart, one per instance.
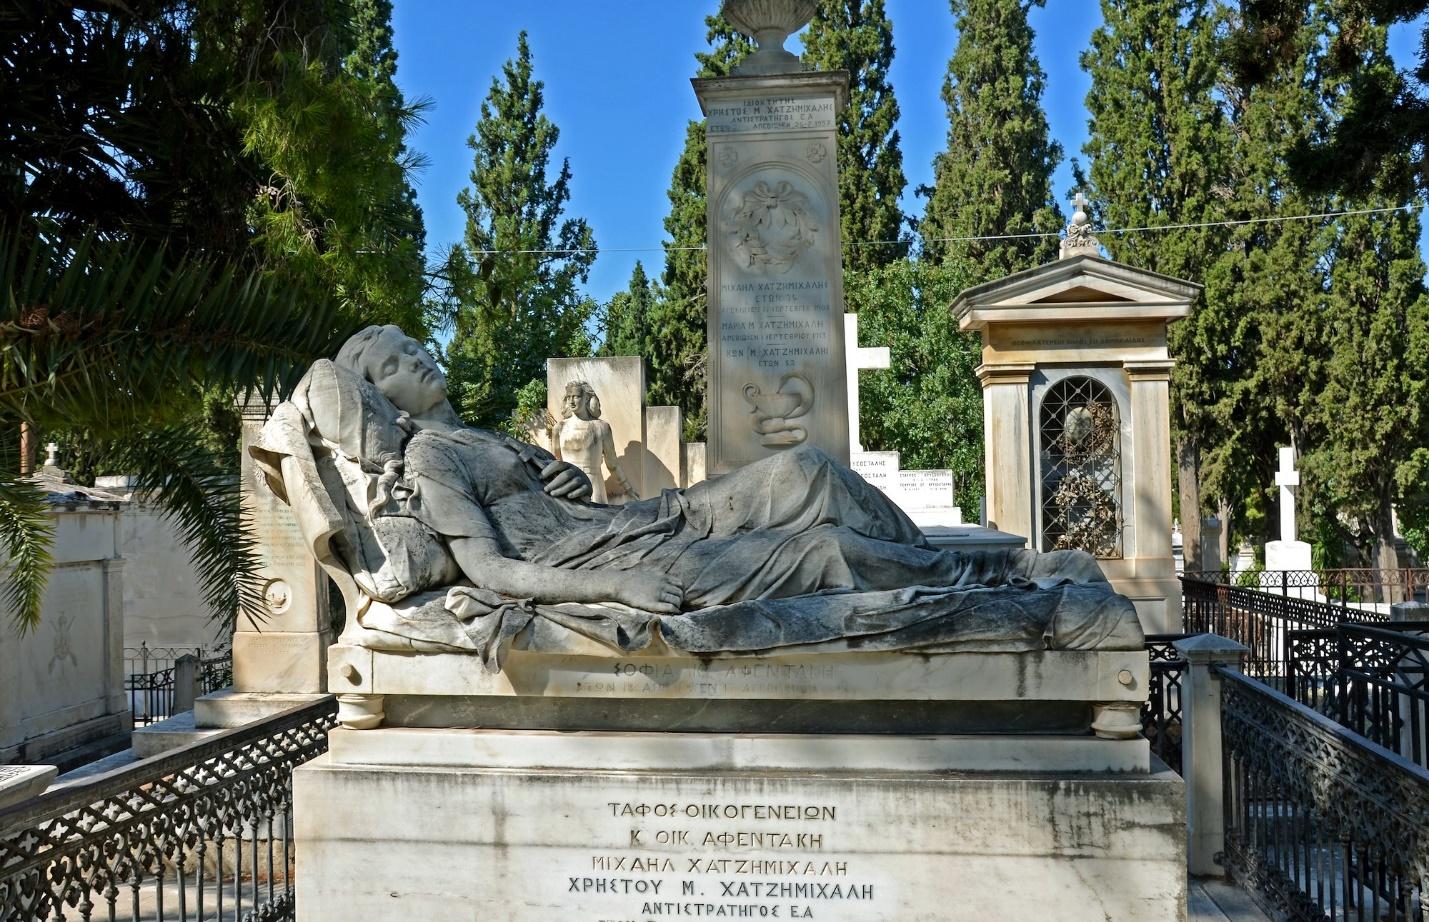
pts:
pixel 772 226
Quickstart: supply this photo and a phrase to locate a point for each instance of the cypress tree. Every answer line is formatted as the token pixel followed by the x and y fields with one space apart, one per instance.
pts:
pixel 857 36
pixel 1158 146
pixel 678 336
pixel 995 177
pixel 399 237
pixel 1367 421
pixel 517 302
pixel 627 317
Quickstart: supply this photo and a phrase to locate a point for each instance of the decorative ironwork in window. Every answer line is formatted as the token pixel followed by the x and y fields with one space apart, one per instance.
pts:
pixel 1081 468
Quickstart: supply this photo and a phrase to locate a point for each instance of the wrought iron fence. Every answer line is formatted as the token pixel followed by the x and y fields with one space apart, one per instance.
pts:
pixel 1324 823
pixel 152 694
pixel 1351 589
pixel 1261 620
pixel 1370 678
pixel 1161 714
pixel 203 832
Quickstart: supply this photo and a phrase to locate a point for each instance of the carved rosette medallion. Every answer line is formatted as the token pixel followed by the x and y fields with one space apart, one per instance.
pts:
pixel 771 225
pixel 816 152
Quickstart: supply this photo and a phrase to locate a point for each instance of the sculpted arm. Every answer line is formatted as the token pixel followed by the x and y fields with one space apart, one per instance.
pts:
pixel 484 564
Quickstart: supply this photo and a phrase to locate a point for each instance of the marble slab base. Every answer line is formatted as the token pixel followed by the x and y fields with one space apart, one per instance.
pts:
pixel 524 843
pixel 521 749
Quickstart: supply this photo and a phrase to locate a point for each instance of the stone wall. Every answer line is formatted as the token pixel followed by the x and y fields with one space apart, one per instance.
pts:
pixel 62 685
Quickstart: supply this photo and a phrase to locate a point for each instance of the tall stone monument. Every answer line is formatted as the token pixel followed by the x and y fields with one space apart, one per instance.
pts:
pixel 775 282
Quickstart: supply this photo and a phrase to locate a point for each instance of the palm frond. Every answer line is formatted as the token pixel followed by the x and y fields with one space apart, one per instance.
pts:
pixel 26 534
pixel 100 334
pixel 193 489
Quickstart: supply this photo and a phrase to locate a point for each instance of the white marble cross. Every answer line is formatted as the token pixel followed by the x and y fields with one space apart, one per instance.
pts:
pixel 52 455
pixel 857 359
pixel 1288 479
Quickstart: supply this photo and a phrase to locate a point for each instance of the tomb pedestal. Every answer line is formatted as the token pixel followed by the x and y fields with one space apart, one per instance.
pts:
pixel 835 787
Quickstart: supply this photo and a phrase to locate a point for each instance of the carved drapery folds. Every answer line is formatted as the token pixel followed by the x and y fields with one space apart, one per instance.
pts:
pixel 1080 468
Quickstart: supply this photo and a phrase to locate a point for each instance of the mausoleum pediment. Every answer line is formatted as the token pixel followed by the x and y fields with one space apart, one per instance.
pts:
pixel 1073 289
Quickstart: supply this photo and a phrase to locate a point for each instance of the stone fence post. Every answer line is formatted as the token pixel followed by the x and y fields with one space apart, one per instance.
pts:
pixel 1201 752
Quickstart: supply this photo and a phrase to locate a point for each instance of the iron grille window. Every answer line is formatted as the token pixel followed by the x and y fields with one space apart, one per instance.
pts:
pixel 1081 468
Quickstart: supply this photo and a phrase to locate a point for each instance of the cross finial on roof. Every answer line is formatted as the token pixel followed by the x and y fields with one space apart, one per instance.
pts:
pixel 1079 240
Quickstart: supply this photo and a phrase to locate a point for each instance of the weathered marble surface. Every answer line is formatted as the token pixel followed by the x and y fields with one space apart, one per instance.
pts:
pixel 450 539
pixel 536 843
pixel 777 373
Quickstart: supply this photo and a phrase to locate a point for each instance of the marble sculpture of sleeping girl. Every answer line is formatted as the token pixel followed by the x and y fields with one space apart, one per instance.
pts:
pixel 457 539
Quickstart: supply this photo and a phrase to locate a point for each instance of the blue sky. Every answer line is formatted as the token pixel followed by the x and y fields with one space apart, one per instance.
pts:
pixel 617 84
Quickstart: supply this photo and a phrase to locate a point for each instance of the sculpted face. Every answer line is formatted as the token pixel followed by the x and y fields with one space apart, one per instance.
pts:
pixel 577 403
pixel 406 373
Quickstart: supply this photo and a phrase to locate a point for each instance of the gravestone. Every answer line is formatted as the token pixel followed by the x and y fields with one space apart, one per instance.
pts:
pixel 694 464
pixel 777 374
pixel 1287 553
pixel 929 497
pixel 879 468
pixel 663 449
pixel 859 358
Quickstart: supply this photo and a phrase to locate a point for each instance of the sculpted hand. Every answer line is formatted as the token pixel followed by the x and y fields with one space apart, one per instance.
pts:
pixel 565 481
pixel 655 592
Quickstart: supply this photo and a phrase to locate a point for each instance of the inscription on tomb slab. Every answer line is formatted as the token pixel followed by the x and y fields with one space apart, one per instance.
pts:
pixel 771 113
pixel 720 859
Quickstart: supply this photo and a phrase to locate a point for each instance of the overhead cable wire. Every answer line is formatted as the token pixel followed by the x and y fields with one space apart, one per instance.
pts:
pixel 980 237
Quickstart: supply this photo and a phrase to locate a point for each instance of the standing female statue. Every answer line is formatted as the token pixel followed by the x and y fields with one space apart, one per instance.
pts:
pixel 584 439
pixel 461 536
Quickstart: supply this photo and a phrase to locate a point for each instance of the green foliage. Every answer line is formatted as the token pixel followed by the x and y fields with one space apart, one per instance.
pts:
pixel 1160 146
pixel 857 36
pixel 195 199
pixel 927 405
pixel 530 405
pixel 517 301
pixel 678 335
pixel 995 177
pixel 118 340
pixel 1386 118
pixel 27 537
pixel 627 317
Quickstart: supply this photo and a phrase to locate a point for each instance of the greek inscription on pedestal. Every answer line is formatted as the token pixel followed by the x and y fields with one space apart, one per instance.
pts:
pixel 720 860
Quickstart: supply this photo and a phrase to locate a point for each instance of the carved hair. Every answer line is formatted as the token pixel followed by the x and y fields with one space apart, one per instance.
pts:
pixel 354 353
pixel 354 357
pixel 589 393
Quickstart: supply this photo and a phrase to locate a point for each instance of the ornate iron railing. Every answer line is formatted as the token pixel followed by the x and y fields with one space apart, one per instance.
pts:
pixel 1322 822
pixel 1261 620
pixel 1348 588
pixel 1161 714
pixel 203 832
pixel 151 694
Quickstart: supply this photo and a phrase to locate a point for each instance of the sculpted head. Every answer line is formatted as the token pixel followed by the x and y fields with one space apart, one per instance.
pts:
pixel 400 367
pixel 580 401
